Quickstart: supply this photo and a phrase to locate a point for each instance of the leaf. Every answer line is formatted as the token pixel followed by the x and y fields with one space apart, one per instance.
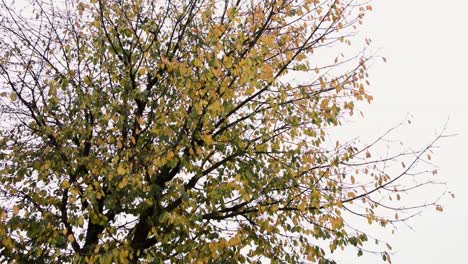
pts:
pixel 121 169
pixel 15 210
pixel 170 155
pixel 207 139
pixel 140 120
pixel 119 144
pixel 65 184
pixel 339 88
pixel 143 70
pixel 80 221
pixel 324 103
pixel 80 9
pixel 123 183
pixel 197 63
pixel 302 207
pixel 13 97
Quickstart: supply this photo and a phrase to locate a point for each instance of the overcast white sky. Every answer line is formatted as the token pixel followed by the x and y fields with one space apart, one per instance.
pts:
pixel 426 44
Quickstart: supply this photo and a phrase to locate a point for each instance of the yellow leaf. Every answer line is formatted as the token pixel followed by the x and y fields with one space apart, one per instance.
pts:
pixel 207 139
pixel 121 170
pixel 227 62
pixel 302 207
pixel 65 184
pixel 80 221
pixel 149 202
pixel 123 183
pixel 140 120
pixel 119 144
pixel 323 84
pixel 45 165
pixel 339 88
pixel 15 210
pixel 324 103
pixel 52 90
pixel 143 70
pixel 170 155
pixel 71 238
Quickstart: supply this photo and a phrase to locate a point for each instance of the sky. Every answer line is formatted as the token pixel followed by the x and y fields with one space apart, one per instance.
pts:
pixel 426 46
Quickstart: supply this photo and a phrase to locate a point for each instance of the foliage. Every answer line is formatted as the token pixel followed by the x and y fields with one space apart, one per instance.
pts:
pixel 184 131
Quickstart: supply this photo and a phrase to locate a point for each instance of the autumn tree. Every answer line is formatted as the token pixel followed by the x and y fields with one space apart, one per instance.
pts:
pixel 187 131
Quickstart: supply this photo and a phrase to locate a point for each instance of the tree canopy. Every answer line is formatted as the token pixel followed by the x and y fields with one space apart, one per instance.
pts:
pixel 187 131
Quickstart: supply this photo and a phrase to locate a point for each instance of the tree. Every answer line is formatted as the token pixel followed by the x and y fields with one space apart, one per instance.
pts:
pixel 187 131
